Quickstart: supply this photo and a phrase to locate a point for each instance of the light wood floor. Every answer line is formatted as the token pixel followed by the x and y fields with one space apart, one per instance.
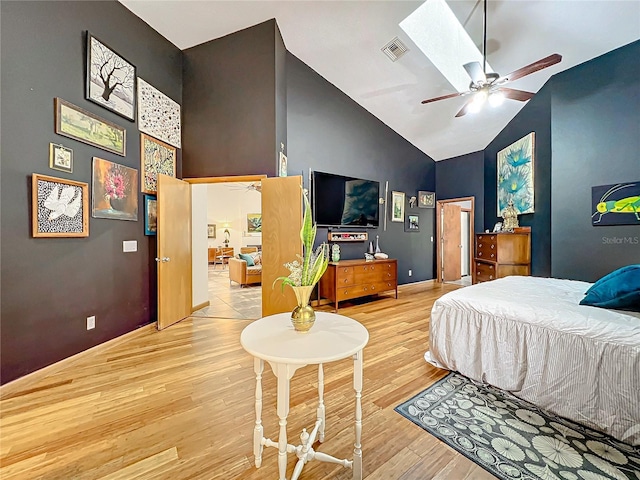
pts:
pixel 179 404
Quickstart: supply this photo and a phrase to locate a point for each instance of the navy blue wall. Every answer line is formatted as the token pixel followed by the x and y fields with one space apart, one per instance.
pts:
pixel 595 109
pixel 535 116
pixel 50 285
pixel 329 132
pixel 463 176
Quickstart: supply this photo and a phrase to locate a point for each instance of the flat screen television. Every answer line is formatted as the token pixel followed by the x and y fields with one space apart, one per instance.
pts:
pixel 340 201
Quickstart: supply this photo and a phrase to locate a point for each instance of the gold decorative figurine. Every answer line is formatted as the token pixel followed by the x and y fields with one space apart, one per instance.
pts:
pixel 510 217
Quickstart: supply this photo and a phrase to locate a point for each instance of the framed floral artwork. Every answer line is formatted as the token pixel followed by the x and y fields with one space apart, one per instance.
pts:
pixel 115 191
pixel 111 80
pixel 60 207
pixel 155 157
pixel 397 206
pixel 516 175
pixel 60 158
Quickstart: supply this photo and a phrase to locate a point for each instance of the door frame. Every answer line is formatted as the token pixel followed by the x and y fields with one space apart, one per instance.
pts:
pixel 439 256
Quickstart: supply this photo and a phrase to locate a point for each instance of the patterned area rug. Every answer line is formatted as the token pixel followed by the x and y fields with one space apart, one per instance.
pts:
pixel 513 439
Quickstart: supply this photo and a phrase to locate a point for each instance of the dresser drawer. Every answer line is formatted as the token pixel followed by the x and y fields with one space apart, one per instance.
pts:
pixel 354 291
pixel 487 250
pixel 485 271
pixel 373 273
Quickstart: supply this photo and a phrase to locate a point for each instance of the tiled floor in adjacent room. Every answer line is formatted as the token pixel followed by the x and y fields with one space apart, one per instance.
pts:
pixel 230 300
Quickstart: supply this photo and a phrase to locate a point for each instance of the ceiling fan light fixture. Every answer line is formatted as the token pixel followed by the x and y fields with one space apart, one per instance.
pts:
pixel 496 99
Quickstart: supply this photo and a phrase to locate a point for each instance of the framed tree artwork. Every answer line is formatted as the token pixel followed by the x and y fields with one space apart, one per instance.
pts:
pixel 111 80
pixel 155 157
pixel 60 207
pixel 397 206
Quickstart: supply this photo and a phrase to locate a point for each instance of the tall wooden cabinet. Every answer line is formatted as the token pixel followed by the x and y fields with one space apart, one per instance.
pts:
pixel 349 279
pixel 499 255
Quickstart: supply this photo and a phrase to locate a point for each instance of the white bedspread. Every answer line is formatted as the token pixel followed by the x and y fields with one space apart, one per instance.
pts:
pixel 530 336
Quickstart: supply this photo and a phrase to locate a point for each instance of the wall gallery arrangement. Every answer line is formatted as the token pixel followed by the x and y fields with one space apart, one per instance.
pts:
pixel 515 175
pixel 79 124
pixel 622 200
pixel 111 80
pixel 155 157
pixel 115 192
pixel 60 207
pixel 158 115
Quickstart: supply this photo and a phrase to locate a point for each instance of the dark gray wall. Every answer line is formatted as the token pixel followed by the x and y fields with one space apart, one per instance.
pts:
pixel 535 116
pixel 329 132
pixel 280 96
pixel 463 176
pixel 230 109
pixel 50 285
pixel 596 139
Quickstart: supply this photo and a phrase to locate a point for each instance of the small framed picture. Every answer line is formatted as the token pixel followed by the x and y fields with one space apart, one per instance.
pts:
pixel 497 228
pixel 412 224
pixel 283 165
pixel 397 206
pixel 150 214
pixel 426 199
pixel 60 158
pixel 211 231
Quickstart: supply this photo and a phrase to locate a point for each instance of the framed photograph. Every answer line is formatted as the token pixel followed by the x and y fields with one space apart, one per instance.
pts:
pixel 515 175
pixel 397 206
pixel 150 214
pixel 155 157
pixel 283 165
pixel 254 223
pixel 75 122
pixel 615 204
pixel 115 191
pixel 412 224
pixel 60 207
pixel 426 199
pixel 60 158
pixel 111 80
pixel 497 228
pixel 158 115
pixel 211 230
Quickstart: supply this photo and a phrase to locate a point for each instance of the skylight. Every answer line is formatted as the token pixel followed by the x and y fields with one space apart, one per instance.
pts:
pixel 437 32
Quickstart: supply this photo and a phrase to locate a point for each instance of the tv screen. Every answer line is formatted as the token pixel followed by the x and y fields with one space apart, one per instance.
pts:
pixel 344 201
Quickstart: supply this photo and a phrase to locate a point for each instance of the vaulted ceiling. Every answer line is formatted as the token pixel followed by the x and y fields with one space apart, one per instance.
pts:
pixel 342 41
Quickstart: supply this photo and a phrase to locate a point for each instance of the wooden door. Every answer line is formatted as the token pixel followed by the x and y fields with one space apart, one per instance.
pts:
pixel 451 246
pixel 174 250
pixel 281 223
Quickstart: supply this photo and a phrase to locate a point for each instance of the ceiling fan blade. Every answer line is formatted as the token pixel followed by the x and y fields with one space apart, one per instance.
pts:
pixel 474 69
pixel 534 67
pixel 515 94
pixel 464 110
pixel 443 97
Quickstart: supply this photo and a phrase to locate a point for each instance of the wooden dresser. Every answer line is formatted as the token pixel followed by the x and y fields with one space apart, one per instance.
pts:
pixel 349 279
pixel 498 255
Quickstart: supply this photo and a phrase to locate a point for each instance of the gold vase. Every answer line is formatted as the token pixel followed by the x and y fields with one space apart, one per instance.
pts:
pixel 303 315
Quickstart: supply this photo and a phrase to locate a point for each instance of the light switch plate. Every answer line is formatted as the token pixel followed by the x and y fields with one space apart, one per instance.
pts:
pixel 130 246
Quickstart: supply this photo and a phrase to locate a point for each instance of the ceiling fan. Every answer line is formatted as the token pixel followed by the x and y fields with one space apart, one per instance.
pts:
pixel 490 86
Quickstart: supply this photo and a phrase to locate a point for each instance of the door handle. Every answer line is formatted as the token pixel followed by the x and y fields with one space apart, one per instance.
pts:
pixel 163 260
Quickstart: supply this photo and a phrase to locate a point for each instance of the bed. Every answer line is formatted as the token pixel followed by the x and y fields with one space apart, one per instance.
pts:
pixel 530 336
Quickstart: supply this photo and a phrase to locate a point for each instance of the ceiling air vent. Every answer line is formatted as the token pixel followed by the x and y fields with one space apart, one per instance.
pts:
pixel 394 49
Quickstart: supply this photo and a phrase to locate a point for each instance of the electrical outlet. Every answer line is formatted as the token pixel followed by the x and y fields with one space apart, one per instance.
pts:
pixel 91 322
pixel 410 272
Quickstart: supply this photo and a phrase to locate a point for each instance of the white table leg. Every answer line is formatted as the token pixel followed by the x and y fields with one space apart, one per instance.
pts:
pixel 282 372
pixel 357 386
pixel 320 412
pixel 258 367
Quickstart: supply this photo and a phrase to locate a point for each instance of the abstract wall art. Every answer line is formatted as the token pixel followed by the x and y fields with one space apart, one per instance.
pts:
pixel 60 207
pixel 155 157
pixel 616 204
pixel 516 175
pixel 158 115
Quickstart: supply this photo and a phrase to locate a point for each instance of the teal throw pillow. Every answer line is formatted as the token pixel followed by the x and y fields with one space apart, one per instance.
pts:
pixel 620 290
pixel 247 258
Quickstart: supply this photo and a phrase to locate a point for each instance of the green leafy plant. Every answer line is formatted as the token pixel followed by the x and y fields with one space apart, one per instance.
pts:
pixel 308 268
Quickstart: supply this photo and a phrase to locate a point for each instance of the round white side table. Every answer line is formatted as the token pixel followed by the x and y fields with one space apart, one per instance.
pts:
pixel 274 340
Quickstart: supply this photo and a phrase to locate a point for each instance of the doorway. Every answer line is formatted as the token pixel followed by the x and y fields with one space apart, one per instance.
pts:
pixel 454 231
